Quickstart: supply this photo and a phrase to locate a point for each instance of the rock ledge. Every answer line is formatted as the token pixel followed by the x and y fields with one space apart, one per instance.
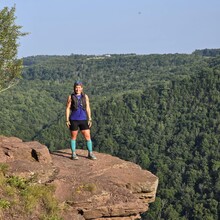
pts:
pixel 106 189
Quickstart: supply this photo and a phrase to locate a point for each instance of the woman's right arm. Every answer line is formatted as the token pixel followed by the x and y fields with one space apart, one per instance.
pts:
pixel 68 105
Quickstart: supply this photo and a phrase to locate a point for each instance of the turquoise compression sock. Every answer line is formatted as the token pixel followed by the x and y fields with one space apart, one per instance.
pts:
pixel 73 145
pixel 89 145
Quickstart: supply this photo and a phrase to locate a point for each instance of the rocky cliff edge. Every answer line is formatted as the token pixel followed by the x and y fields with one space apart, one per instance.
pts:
pixel 106 189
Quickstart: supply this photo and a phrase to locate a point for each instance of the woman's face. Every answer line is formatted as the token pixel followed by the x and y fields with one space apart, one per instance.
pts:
pixel 78 89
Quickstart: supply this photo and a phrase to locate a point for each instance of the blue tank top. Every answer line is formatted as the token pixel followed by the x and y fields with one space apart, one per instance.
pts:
pixel 79 114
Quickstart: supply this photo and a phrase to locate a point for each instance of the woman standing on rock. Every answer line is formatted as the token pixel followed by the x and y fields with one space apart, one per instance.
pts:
pixel 78 116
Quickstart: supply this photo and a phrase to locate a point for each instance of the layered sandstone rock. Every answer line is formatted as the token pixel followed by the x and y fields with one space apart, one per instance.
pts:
pixel 106 189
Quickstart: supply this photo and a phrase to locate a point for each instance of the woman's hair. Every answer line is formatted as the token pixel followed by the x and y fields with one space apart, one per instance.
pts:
pixel 77 83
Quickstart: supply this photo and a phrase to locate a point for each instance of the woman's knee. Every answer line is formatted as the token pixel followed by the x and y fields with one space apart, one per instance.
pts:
pixel 86 134
pixel 74 135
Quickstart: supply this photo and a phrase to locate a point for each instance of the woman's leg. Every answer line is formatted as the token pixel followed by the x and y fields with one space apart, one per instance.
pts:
pixel 87 136
pixel 73 144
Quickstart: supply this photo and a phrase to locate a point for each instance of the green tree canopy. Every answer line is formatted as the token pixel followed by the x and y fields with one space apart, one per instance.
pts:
pixel 10 66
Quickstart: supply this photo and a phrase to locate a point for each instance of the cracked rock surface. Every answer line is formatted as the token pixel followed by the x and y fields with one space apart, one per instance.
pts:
pixel 104 189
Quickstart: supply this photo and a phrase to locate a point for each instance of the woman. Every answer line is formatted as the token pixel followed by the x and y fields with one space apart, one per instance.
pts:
pixel 78 116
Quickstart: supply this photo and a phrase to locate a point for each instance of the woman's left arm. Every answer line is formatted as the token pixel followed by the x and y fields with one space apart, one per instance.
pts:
pixel 88 111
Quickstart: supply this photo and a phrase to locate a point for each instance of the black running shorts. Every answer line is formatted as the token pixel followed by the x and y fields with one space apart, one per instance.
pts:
pixel 79 124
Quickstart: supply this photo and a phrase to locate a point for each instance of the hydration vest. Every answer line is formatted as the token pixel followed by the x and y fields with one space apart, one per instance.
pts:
pixel 75 102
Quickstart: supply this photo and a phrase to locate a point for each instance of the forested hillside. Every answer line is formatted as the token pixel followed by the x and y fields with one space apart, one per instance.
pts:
pixel 159 111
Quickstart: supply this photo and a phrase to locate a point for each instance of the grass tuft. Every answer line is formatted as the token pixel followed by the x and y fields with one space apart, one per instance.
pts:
pixel 30 197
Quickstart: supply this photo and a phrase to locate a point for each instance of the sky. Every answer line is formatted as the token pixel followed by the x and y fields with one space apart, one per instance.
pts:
pixel 97 27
